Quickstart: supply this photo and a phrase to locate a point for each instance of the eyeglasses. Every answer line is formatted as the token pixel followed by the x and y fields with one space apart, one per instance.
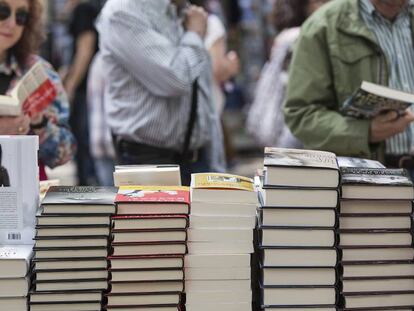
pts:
pixel 21 15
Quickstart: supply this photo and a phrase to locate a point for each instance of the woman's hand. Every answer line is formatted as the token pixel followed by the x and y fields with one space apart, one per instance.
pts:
pixel 14 125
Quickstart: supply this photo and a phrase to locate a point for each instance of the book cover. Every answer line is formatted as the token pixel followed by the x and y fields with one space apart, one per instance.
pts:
pixel 375 176
pixel 221 181
pixel 19 188
pixel 149 194
pixel 84 195
pixel 299 158
pixel 373 99
pixel 358 162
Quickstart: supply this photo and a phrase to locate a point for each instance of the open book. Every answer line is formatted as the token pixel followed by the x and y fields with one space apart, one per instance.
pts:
pixel 372 99
pixel 31 95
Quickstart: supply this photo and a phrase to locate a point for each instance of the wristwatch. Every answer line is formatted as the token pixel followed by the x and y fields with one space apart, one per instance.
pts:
pixel 40 125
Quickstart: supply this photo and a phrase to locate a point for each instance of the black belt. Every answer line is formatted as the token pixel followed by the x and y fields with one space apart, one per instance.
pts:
pixel 400 161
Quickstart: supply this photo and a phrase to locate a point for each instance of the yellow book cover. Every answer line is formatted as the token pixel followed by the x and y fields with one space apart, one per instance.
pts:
pixel 221 181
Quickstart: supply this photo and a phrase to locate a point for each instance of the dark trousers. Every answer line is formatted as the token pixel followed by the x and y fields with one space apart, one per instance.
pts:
pixel 79 123
pixel 132 153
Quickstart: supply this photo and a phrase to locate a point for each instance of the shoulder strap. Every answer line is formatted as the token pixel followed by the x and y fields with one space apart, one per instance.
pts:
pixel 192 119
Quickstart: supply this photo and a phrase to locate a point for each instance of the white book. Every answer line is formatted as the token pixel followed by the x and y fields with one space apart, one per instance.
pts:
pixel 216 260
pixel 218 285
pixel 217 273
pixel 224 235
pixel 147 175
pixel 223 209
pixel 215 247
pixel 247 306
pixel 201 297
pixel 222 222
pixel 15 287
pixel 299 296
pixel 15 260
pixel 14 303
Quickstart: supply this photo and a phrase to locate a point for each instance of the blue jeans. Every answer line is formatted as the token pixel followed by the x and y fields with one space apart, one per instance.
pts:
pixel 104 168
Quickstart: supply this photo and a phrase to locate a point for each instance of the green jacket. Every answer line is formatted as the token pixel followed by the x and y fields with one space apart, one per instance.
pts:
pixel 335 52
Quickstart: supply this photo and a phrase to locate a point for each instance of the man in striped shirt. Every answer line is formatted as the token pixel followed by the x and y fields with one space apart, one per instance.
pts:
pixel 341 45
pixel 152 62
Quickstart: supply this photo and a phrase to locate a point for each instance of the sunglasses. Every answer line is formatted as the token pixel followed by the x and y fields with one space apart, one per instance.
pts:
pixel 21 15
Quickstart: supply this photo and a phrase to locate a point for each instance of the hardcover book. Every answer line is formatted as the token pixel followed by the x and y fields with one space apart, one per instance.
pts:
pixel 79 200
pixel 15 260
pixel 300 168
pixel 126 222
pixel 147 175
pixel 146 262
pixel 373 99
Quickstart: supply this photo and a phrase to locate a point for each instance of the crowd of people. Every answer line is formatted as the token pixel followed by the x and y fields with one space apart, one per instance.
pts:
pixel 147 79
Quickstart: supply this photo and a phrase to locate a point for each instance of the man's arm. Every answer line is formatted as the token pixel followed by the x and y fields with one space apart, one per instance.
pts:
pixel 164 68
pixel 311 108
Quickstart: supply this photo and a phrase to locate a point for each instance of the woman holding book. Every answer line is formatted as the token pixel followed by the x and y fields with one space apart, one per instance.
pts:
pixel 20 37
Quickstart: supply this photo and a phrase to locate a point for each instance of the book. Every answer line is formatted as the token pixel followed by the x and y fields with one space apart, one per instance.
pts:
pixel 376 268
pixel 300 168
pixel 307 237
pixel 223 235
pixel 147 175
pixel 69 264
pixel 31 95
pixel 222 222
pixel 299 276
pixel 216 260
pixel 14 303
pixel 218 285
pixel 293 197
pixel 146 262
pixel 378 285
pixel 375 238
pixel 297 296
pixel 130 236
pixel 71 285
pixel 19 192
pixel 376 207
pixel 146 275
pixel 223 188
pixel 71 252
pixel 149 222
pixel 373 99
pixel 358 162
pixel 79 200
pixel 67 231
pixel 223 209
pixel 133 200
pixel 375 221
pixel 299 257
pixel 218 273
pixel 14 287
pixel 15 260
pixel 298 217
pixel 379 300
pixel 246 306
pixel 147 287
pixel 155 248
pixel 233 247
pixel 60 275
pixel 143 299
pixel 367 183
pixel 72 220
pixel 377 253
pixel 63 306
pixel 201 297
pixel 78 296
pixel 70 241
pixel 146 308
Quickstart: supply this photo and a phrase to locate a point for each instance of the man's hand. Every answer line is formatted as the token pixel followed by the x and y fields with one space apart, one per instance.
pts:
pixel 14 125
pixel 389 124
pixel 196 20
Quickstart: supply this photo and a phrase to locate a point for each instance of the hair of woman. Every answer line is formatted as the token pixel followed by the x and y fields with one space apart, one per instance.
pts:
pixel 289 13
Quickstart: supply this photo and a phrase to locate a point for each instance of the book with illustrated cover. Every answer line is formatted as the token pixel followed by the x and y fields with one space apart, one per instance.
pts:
pixel 153 200
pixel 373 99
pixel 19 188
pixel 358 162
pixel 32 94
pixel 79 200
pixel 300 168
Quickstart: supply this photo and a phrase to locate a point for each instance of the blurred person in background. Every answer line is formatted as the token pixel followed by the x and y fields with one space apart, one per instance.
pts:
pixel 85 45
pixel 158 96
pixel 265 120
pixel 21 33
pixel 341 45
pixel 101 145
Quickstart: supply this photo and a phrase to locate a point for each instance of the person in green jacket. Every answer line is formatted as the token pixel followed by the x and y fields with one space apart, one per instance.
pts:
pixel 341 45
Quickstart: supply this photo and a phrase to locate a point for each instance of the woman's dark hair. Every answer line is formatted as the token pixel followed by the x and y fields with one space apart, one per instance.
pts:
pixel 201 3
pixel 289 13
pixel 32 36
pixel 1 154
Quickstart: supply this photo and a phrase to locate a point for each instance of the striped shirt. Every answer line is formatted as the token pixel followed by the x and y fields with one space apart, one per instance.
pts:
pixel 396 41
pixel 151 64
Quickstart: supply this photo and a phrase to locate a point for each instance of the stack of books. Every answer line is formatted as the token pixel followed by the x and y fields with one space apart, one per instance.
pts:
pixel 220 243
pixel 15 276
pixel 71 248
pixel 148 244
pixel 297 230
pixel 376 238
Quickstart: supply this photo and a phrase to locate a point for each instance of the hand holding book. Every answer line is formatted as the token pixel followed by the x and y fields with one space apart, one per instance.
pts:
pixel 388 124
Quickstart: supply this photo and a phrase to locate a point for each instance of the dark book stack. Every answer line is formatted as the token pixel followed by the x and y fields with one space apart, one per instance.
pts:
pixel 376 239
pixel 297 231
pixel 71 248
pixel 149 234
pixel 220 243
pixel 15 276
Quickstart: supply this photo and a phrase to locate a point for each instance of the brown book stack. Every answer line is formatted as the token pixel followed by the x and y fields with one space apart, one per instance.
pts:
pixel 376 238
pixel 220 243
pixel 71 248
pixel 297 234
pixel 148 243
